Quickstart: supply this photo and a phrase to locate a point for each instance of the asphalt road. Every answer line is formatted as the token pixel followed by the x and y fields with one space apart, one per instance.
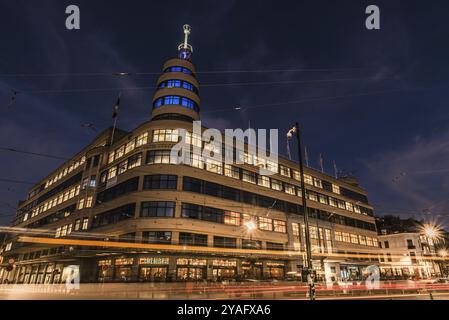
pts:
pixel 187 291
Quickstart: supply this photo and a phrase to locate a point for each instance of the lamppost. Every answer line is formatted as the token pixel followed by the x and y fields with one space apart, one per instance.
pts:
pixel 250 227
pixel 310 275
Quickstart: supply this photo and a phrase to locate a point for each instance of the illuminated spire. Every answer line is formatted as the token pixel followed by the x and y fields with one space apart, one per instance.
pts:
pixel 185 50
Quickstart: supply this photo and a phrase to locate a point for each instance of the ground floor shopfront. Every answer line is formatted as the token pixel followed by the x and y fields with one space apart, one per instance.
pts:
pixel 175 268
pixel 147 268
pixel 410 271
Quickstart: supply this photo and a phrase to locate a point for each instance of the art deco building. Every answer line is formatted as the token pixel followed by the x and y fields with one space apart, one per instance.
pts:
pixel 121 209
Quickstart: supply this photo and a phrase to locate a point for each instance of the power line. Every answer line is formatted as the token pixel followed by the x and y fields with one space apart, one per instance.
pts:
pixel 206 85
pixel 362 94
pixel 34 153
pixel 16 181
pixel 96 74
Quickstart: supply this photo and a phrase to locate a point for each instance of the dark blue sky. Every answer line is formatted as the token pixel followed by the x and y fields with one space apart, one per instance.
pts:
pixel 392 121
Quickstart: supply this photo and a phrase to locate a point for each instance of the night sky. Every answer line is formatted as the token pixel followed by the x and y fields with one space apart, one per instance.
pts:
pixel 376 102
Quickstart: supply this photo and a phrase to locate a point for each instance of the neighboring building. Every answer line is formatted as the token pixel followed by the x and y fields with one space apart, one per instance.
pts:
pixel 408 256
pixel 159 221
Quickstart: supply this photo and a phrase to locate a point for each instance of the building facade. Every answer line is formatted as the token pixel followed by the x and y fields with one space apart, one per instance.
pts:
pixel 409 255
pixel 123 210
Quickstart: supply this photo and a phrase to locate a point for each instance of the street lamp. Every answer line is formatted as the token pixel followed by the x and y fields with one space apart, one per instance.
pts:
pixel 250 226
pixel 310 274
pixel 431 232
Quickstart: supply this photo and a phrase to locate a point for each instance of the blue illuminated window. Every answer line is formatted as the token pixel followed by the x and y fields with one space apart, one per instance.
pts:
pixel 178 84
pixel 178 69
pixel 175 100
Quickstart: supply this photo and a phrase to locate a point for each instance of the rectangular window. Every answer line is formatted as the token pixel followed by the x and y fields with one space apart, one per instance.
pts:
pixel 119 152
pixel 160 157
pixel 158 237
pixel 160 182
pixel 122 167
pixel 223 242
pixel 275 246
pixel 142 139
pixel 290 189
pixel 312 196
pixel 296 236
pixel 263 181
pixel 335 189
pixel 354 239
pixel 322 198
pixel 130 146
pixel 232 218
pixel 249 176
pixel 112 172
pixel 279 226
pixel 362 240
pixel 284 171
pixel 85 223
pixel 276 185
pixel 232 172
pixel 251 244
pixel 214 166
pixel 308 179
pixel 135 161
pixel 165 135
pixel 157 209
pixel 192 239
pixel 346 237
pixel 317 183
pixel 296 175
pixel 349 206
pixel 338 236
pixel 77 224
pixel 265 224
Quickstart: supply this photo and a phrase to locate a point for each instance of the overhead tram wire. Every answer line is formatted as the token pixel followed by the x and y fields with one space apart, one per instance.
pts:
pixel 317 99
pixel 45 155
pixel 16 181
pixel 206 85
pixel 115 73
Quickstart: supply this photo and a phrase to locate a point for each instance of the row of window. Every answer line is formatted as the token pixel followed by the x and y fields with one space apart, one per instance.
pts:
pixel 127 164
pixel 178 84
pixel 171 135
pixel 355 239
pixel 126 148
pixel 75 165
pixel 54 217
pixel 194 211
pixel 114 216
pixel 61 198
pixel 165 157
pixel 68 228
pixel 205 187
pixel 119 190
pixel 176 100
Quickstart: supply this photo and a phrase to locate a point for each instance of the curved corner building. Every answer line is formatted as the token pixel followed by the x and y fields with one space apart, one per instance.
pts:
pixel 124 211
